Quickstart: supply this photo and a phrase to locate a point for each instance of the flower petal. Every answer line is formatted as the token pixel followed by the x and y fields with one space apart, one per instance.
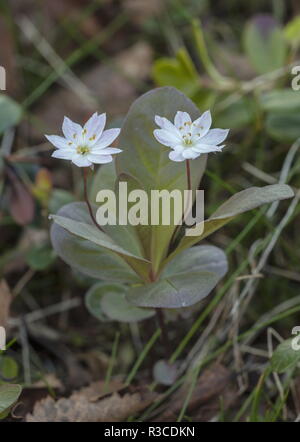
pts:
pixel 81 160
pixel 63 154
pixel 99 159
pixel 105 150
pixel 190 154
pixel 207 148
pixel 164 123
pixel 166 137
pixel 107 137
pixel 215 136
pixel 59 142
pixel 202 125
pixel 176 156
pixel 72 131
pixel 94 127
pixel 182 119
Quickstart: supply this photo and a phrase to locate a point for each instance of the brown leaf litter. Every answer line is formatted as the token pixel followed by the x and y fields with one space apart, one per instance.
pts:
pixel 93 404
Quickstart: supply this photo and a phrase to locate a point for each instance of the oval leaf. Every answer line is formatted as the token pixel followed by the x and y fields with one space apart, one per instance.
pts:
pixel 9 394
pixel 281 100
pixel 116 307
pixel 186 280
pixel 283 126
pixel 86 256
pixel 284 357
pixel 198 259
pixel 264 44
pixel 107 301
pixel 147 160
pixel 93 301
pixel 239 203
pixel 179 291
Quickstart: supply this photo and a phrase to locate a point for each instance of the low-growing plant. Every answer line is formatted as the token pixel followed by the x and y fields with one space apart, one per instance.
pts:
pixel 144 269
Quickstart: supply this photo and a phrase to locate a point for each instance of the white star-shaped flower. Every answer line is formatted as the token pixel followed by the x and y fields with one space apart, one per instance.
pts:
pixel 86 145
pixel 188 139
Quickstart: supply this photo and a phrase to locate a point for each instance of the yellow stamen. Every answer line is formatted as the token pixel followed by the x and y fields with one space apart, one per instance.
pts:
pixel 82 150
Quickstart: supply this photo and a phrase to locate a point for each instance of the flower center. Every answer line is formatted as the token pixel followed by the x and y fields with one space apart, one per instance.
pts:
pixel 82 150
pixel 187 139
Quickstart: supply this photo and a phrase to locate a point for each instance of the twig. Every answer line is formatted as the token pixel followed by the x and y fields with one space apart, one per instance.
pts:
pixel 48 311
pixel 25 351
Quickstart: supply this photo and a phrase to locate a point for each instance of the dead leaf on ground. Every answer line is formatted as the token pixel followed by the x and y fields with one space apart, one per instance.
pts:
pixel 82 407
pixel 5 301
pixel 211 387
pixel 21 203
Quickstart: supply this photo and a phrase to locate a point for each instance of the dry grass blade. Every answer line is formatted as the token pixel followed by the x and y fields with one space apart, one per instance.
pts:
pixel 5 301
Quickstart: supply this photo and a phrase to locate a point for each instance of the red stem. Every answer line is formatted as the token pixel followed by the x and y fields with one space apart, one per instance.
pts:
pixel 188 174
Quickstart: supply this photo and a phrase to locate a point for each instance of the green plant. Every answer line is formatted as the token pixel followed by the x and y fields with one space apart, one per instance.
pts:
pixel 147 267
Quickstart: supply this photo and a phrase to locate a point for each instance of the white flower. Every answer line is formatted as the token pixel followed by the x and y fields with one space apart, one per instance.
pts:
pixel 85 145
pixel 188 139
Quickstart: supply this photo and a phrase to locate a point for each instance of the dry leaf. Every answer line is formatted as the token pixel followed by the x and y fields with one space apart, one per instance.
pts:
pixel 5 301
pixel 212 385
pixel 21 203
pixel 81 407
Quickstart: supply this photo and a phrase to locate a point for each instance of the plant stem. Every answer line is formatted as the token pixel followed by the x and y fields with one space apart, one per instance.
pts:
pixel 188 174
pixel 164 330
pixel 161 320
pixel 85 172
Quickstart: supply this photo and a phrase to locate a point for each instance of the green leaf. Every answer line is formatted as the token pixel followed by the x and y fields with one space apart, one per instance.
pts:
pixel 124 235
pixel 280 100
pixel 58 199
pixel 197 259
pixel 175 292
pixel 94 235
pixel 40 257
pixel 238 115
pixel 292 31
pixel 147 160
pixel 116 307
pixel 264 44
pixel 86 256
pixel 239 203
pixel 10 113
pixel 142 231
pixel 178 72
pixel 186 280
pixel 8 367
pixel 284 357
pixel 283 126
pixel 105 178
pixel 108 302
pixel 9 394
pixel 93 300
